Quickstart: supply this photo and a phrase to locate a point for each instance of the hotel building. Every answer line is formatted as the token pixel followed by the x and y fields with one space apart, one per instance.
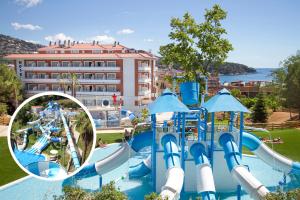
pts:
pixel 98 72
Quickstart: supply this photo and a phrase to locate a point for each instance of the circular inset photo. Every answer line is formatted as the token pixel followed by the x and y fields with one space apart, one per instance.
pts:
pixel 51 135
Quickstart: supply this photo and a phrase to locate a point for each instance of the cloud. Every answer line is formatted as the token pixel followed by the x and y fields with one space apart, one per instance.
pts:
pixel 59 36
pixel 125 31
pixel 148 40
pixel 18 26
pixel 105 39
pixel 33 41
pixel 28 3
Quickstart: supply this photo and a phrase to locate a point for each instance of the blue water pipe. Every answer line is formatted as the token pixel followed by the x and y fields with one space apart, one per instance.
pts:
pixel 212 140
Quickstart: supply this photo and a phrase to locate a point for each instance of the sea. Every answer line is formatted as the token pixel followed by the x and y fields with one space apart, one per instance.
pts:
pixel 261 74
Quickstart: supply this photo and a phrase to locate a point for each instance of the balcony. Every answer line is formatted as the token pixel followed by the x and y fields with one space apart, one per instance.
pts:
pixel 144 68
pixel 144 80
pixel 78 93
pixel 33 79
pixel 73 68
pixel 144 92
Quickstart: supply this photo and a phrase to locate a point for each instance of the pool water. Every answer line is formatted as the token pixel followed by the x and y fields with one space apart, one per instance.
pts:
pixel 32 188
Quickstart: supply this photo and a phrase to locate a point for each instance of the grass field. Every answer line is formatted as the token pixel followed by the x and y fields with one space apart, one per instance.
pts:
pixel 108 138
pixel 291 141
pixel 9 170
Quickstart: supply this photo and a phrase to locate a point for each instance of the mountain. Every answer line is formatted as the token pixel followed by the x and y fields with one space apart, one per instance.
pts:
pixel 230 68
pixel 226 68
pixel 10 45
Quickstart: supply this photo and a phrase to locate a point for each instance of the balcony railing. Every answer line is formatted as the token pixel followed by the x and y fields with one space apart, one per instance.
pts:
pixel 94 92
pixel 144 92
pixel 144 68
pixel 81 80
pixel 144 79
pixel 71 68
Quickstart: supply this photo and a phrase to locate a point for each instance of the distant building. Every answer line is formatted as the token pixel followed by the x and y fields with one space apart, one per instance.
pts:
pixel 101 71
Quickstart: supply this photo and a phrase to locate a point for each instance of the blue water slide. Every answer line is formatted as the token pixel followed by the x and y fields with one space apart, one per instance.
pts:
pixel 141 140
pixel 205 179
pixel 239 172
pixel 269 156
pixel 73 151
pixel 175 175
pixel 47 169
pixel 138 142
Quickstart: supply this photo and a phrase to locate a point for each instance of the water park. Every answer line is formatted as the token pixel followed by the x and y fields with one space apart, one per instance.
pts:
pixel 187 154
pixel 47 138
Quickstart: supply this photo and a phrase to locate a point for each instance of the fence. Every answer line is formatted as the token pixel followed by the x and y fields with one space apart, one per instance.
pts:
pixel 272 126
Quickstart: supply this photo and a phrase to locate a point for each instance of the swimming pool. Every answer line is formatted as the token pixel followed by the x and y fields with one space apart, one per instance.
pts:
pixel 32 188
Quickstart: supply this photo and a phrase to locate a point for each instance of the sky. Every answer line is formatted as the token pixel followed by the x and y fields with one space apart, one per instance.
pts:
pixel 263 33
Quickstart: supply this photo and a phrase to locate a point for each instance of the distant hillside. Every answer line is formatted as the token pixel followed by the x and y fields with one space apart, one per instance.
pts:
pixel 227 68
pixel 10 45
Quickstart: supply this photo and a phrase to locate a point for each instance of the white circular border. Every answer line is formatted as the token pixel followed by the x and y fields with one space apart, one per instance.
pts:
pixel 48 94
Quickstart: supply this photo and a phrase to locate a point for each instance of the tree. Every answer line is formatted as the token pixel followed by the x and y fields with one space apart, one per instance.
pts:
pixel 260 113
pixel 236 93
pixel 288 77
pixel 196 46
pixel 279 195
pixel 10 88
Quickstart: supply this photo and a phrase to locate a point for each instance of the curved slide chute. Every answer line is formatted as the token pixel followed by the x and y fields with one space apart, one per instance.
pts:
pixel 204 175
pixel 137 143
pixel 107 164
pixel 269 156
pixel 175 175
pixel 239 172
pixel 25 132
pixel 73 151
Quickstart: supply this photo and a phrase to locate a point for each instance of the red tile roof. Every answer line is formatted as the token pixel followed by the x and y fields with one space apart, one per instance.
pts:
pixel 80 56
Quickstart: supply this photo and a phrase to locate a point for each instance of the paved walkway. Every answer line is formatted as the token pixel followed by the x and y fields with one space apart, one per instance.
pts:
pixel 3 131
pixel 110 131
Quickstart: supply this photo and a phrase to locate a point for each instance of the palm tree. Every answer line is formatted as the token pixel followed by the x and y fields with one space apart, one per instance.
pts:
pixel 74 83
pixel 87 133
pixel 62 80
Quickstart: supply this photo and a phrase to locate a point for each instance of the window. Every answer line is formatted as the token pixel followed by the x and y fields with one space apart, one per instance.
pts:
pixel 78 76
pixel 65 76
pixel 88 76
pixel 55 75
pixel 100 64
pixel 50 51
pixel 55 87
pixel 30 75
pixel 76 63
pixel 62 51
pixel 74 51
pixel 111 76
pixel 96 51
pixel 65 63
pixel 88 63
pixel 78 88
pixel 100 88
pixel 41 64
pixel 31 87
pixel 42 75
pixel 42 87
pixel 111 88
pixel 55 64
pixel 88 88
pixel 100 76
pixel 30 63
pixel 111 63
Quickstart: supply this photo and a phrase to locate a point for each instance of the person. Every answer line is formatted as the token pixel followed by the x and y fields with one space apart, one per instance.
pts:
pixel 114 97
pixel 128 134
pixel 100 143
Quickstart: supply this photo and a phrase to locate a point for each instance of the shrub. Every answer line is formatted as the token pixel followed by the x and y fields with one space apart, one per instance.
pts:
pixel 279 195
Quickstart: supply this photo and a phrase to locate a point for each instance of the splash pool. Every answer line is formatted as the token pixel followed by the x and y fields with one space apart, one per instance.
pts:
pixel 32 188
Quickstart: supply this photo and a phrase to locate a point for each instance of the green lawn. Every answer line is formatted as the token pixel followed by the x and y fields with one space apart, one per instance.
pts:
pixel 291 140
pixel 108 138
pixel 9 170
